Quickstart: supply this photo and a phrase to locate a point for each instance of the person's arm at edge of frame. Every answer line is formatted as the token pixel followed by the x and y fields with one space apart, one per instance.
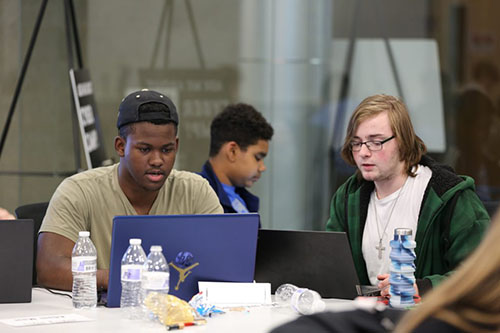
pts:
pixel 53 263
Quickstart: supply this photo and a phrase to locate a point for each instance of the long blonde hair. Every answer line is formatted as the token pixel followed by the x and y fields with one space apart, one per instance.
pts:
pixel 470 298
pixel 411 147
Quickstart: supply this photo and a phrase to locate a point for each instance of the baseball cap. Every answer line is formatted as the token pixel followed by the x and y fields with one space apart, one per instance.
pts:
pixel 128 112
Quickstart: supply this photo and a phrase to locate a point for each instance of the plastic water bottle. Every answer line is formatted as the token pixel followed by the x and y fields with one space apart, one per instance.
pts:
pixel 84 267
pixel 283 295
pixel 155 283
pixel 131 275
pixel 307 301
pixel 402 269
pixel 302 300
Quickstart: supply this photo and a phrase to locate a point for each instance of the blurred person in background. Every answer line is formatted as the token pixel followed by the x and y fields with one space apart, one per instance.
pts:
pixel 477 131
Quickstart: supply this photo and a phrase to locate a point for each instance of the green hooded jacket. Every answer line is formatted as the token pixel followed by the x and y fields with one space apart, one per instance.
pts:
pixel 451 222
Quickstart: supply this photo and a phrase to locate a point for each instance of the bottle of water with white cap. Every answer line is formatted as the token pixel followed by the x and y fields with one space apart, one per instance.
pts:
pixel 84 267
pixel 402 269
pixel 131 275
pixel 155 282
pixel 302 300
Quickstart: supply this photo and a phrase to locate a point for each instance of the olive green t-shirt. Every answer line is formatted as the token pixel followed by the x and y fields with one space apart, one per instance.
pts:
pixel 91 199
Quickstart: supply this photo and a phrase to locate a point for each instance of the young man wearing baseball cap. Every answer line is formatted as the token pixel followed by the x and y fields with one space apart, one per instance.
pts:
pixel 142 183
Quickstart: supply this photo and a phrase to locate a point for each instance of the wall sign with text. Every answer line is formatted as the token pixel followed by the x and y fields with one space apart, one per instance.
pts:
pixel 83 95
pixel 199 95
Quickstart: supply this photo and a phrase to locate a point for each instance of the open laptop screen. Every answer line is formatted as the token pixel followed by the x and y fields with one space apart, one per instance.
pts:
pixel 317 260
pixel 216 247
pixel 16 260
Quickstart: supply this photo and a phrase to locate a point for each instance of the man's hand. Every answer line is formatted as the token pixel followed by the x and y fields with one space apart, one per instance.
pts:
pixel 384 285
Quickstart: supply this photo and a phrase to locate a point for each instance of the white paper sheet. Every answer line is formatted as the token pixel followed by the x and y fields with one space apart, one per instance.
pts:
pixel 235 293
pixel 45 320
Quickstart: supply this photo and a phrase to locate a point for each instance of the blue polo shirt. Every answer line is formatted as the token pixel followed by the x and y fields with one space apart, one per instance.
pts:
pixel 237 202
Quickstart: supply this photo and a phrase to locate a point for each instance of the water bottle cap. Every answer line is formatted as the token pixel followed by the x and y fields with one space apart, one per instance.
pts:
pixel 155 248
pixel 403 231
pixel 84 233
pixel 135 241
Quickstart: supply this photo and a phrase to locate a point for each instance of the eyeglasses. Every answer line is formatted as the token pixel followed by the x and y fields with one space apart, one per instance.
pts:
pixel 371 145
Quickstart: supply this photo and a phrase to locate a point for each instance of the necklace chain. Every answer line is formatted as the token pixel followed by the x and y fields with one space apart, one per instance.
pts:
pixel 379 247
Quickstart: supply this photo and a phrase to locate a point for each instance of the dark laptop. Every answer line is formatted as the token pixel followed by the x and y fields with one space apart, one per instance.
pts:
pixel 317 260
pixel 217 247
pixel 16 260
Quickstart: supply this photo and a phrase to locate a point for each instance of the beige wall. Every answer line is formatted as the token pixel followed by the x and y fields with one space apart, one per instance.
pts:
pixel 9 36
pixel 118 39
pixel 40 138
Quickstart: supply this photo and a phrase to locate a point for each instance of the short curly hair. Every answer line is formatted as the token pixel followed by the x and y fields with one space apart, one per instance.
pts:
pixel 240 123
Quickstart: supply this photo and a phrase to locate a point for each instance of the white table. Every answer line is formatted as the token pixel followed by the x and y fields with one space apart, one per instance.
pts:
pixel 253 319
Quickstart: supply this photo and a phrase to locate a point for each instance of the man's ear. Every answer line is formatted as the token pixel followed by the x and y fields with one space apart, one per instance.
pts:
pixel 120 146
pixel 231 150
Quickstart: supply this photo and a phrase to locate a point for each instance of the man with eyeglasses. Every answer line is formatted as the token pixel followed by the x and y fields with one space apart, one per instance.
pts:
pixel 397 186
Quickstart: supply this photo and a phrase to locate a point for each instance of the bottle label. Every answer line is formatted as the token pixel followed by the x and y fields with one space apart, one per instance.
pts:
pixel 155 280
pixel 131 273
pixel 85 264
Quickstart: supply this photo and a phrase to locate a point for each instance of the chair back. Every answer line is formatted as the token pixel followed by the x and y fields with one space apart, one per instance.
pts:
pixel 36 212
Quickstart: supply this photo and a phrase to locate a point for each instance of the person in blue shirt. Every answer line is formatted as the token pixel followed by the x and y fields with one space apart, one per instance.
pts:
pixel 239 142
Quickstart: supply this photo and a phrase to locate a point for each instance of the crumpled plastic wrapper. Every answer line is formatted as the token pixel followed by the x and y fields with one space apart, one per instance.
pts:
pixel 169 309
pixel 202 308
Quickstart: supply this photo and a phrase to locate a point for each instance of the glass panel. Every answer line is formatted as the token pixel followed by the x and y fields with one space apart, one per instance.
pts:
pixel 290 59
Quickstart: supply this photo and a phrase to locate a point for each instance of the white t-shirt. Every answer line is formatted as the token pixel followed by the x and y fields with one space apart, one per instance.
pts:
pixel 404 215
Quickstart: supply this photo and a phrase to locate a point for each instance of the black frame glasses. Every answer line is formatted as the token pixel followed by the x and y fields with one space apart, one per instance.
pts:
pixel 372 145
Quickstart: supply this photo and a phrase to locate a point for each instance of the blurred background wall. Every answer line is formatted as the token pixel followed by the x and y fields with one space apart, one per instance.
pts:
pixel 289 58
